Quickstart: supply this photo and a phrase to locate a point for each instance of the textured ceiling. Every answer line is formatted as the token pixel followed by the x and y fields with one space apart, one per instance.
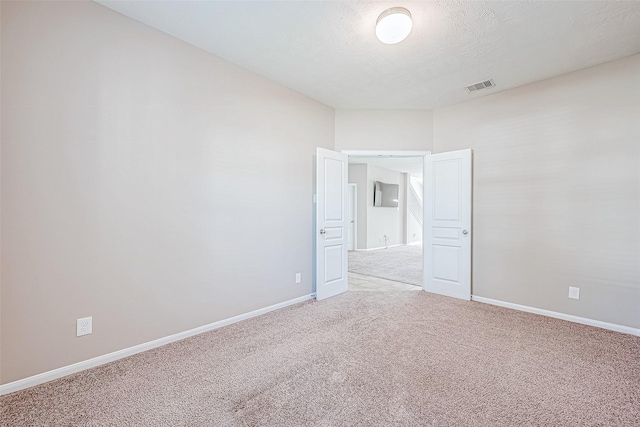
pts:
pixel 328 51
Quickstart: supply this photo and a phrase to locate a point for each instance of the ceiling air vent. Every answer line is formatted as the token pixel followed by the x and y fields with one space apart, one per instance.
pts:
pixel 479 86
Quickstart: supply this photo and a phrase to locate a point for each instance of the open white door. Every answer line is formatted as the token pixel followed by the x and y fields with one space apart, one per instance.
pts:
pixel 331 223
pixel 447 224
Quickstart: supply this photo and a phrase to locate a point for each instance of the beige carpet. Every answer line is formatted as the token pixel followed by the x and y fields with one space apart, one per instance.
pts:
pixel 398 263
pixel 360 359
pixel 359 282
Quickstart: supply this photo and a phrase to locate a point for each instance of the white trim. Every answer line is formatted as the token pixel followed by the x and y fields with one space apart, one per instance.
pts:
pixel 380 248
pixel 425 236
pixel 354 226
pixel 562 316
pixel 110 357
pixel 407 214
pixel 385 153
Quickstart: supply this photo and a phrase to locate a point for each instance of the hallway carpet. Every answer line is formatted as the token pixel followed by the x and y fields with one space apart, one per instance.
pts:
pixel 398 263
pixel 397 358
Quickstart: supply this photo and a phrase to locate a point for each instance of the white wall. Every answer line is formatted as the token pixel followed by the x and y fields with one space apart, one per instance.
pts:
pixel 409 130
pixel 414 227
pixel 556 191
pixel 375 222
pixel 383 220
pixel 415 230
pixel 145 183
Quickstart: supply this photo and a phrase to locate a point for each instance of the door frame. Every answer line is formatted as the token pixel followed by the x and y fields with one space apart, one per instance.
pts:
pixel 398 153
pixel 354 226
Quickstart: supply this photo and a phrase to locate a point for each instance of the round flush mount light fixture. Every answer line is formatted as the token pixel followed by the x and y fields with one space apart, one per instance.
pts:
pixel 393 25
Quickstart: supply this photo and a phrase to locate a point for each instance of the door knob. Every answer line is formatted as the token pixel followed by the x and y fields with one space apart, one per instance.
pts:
pixel 323 231
pixel 465 232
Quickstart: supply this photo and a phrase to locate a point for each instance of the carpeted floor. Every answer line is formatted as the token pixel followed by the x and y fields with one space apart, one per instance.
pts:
pixel 359 282
pixel 398 263
pixel 359 359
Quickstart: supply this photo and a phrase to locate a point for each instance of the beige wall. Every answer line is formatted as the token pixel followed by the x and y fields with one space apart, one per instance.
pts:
pixel 409 130
pixel 145 183
pixel 556 191
pixel 139 175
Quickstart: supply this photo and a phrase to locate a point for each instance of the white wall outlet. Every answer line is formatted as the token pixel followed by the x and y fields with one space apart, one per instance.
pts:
pixel 298 277
pixel 574 293
pixel 84 326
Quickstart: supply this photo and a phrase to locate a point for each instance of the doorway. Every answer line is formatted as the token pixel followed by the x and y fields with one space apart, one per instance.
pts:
pixel 387 248
pixel 447 233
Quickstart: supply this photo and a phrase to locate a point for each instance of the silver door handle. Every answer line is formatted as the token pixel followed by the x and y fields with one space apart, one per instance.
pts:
pixel 323 231
pixel 465 232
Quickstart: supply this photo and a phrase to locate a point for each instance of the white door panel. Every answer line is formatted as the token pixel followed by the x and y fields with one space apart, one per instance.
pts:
pixel 331 223
pixel 447 231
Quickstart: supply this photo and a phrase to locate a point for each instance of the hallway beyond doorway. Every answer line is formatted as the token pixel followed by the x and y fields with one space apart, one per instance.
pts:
pixel 360 282
pixel 397 263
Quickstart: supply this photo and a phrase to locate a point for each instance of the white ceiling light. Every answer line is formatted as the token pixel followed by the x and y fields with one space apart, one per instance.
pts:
pixel 393 25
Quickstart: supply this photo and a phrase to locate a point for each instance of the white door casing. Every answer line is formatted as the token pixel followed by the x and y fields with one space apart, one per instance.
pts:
pixel 352 212
pixel 447 224
pixel 331 223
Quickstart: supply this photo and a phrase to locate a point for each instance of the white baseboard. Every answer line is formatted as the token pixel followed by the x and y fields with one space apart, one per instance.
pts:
pixel 110 357
pixel 379 248
pixel 563 316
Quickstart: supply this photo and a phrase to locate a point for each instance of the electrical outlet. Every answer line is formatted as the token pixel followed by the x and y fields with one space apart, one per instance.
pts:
pixel 84 326
pixel 574 293
pixel 298 277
